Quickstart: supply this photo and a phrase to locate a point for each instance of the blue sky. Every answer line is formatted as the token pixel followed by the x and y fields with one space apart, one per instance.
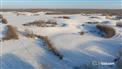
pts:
pixel 95 4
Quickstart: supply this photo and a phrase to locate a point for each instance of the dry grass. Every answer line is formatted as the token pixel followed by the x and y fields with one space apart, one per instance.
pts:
pixel 4 21
pixel 11 33
pixel 51 47
pixel 41 23
pixel 109 31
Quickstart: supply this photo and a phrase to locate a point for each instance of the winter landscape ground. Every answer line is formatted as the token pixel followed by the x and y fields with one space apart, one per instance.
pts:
pixel 37 40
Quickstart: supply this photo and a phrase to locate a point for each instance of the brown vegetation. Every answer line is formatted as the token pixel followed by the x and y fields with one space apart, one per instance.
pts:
pixel 51 47
pixel 109 31
pixel 92 22
pixel 11 33
pixel 64 17
pixel 28 33
pixel 4 21
pixel 117 18
pixel 81 33
pixel 1 16
pixel 41 23
pixel 119 24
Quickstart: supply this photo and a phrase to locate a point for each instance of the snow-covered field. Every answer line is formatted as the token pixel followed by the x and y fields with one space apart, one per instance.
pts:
pixel 80 51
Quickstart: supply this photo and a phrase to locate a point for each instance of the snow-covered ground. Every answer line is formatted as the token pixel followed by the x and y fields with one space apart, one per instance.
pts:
pixel 3 29
pixel 78 50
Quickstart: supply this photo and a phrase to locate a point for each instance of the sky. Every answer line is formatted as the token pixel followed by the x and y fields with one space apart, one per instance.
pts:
pixel 78 4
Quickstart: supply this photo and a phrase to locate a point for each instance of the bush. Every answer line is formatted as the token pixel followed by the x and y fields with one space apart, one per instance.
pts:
pixel 64 17
pixel 11 33
pixel 51 47
pixel 1 16
pixel 117 18
pixel 92 22
pixel 81 33
pixel 4 21
pixel 109 31
pixel 41 23
pixel 28 33
pixel 119 24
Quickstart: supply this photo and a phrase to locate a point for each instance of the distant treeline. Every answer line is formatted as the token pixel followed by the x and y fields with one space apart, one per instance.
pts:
pixel 70 11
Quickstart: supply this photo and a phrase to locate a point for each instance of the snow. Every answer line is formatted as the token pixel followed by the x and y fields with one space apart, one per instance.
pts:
pixel 3 30
pixel 29 53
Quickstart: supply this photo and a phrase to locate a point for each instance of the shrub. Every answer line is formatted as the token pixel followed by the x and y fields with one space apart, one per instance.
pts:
pixel 1 16
pixel 4 21
pixel 81 33
pixel 41 23
pixel 109 31
pixel 93 17
pixel 64 17
pixel 11 33
pixel 28 33
pixel 117 18
pixel 119 24
pixel 51 47
pixel 92 22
